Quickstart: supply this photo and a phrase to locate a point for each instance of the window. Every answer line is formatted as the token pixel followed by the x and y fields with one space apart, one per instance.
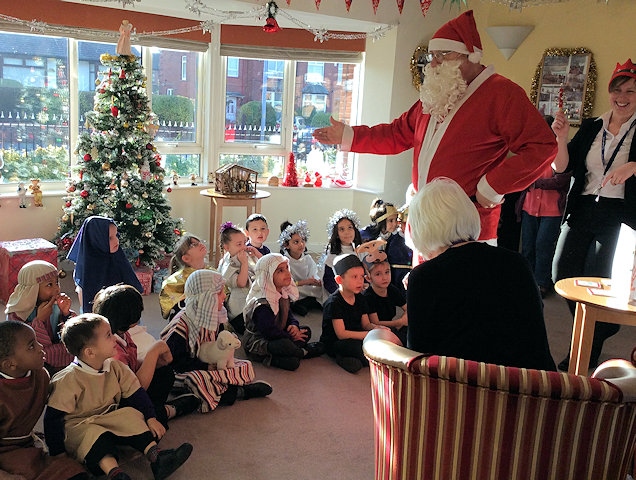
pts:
pixel 265 86
pixel 34 107
pixel 37 129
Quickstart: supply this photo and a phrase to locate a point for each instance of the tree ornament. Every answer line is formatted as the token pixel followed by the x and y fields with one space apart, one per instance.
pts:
pixel 124 183
pixel 168 189
pixel 122 74
pixel 129 205
pixel 114 110
pixel 177 231
pixel 106 166
pixel 68 204
pixel 81 174
pixel 144 195
pixel 135 222
pixel 149 234
pixel 90 207
pixel 71 188
pixel 87 157
pixel 149 146
pixel 144 171
pixel 84 194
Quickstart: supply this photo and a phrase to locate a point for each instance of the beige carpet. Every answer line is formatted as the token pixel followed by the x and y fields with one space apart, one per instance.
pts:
pixel 318 422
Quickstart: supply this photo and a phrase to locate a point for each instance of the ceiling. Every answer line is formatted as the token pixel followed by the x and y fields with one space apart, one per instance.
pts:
pixel 332 15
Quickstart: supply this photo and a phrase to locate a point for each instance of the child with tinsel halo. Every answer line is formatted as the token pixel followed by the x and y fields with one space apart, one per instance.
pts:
pixel 293 240
pixel 272 334
pixel 343 237
pixel 190 254
pixel 37 300
pixel 201 321
pixel 24 388
pixel 237 268
pixel 99 260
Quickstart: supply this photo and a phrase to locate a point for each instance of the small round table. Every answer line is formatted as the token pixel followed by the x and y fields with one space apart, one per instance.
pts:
pixel 591 308
pixel 251 201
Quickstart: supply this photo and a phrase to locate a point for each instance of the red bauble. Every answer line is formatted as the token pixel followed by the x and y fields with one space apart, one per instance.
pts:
pixel 129 205
pixel 114 110
pixel 83 194
pixel 168 189
pixel 68 204
pixel 87 157
pixel 149 146
pixel 158 163
pixel 318 182
pixel 271 26
pixel 71 188
pixel 177 231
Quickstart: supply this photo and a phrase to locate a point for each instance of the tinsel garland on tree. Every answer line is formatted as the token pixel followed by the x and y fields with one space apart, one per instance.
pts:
pixel 119 173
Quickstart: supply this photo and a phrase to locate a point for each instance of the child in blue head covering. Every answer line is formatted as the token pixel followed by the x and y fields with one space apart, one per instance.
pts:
pixel 99 262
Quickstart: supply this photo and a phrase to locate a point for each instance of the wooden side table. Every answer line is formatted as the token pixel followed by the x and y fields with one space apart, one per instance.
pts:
pixel 590 309
pixel 251 202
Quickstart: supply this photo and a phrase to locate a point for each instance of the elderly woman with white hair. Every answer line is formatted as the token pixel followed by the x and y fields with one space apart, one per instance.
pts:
pixel 468 299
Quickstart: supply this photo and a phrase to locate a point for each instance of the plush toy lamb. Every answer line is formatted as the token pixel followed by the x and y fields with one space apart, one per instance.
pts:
pixel 221 352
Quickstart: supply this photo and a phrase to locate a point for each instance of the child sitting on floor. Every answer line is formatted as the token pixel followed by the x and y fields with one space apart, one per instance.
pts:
pixel 99 260
pixel 24 385
pixel 200 322
pixel 37 300
pixel 237 268
pixel 383 297
pixel 345 316
pixel 303 268
pixel 190 254
pixel 257 232
pixel 343 237
pixel 97 404
pixel 122 306
pixel 272 334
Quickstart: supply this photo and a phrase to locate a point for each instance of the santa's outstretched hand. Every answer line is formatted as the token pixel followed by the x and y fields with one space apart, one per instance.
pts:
pixel 331 135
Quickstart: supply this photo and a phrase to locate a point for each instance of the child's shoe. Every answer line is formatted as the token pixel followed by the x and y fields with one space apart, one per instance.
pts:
pixel 255 390
pixel 350 364
pixel 168 461
pixel 184 404
pixel 314 349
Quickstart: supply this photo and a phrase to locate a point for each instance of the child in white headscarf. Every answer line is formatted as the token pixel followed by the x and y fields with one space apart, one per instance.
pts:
pixel 199 322
pixel 272 333
pixel 37 300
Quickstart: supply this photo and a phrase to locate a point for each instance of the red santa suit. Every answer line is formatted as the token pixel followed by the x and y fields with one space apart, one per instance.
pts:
pixel 471 145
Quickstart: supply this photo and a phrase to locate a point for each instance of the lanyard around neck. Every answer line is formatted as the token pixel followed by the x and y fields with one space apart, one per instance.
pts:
pixel 618 147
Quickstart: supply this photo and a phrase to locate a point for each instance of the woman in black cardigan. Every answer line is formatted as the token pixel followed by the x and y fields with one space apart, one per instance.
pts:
pixel 602 159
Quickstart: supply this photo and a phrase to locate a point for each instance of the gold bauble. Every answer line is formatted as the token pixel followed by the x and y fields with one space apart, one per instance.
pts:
pixel 135 222
pixel 65 218
pixel 106 166
pixel 148 234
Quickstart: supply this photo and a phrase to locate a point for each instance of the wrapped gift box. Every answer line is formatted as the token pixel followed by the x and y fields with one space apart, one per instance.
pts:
pixel 158 277
pixel 144 274
pixel 14 254
pixel 165 261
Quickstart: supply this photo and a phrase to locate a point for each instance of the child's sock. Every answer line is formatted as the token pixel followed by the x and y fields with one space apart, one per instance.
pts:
pixel 118 474
pixel 152 454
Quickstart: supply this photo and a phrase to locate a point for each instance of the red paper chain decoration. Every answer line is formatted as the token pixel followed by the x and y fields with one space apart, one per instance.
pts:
pixel 425 5
pixel 400 4
pixel 375 4
pixel 348 4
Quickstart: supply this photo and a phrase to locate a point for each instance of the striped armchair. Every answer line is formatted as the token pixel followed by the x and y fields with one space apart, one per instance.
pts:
pixel 443 418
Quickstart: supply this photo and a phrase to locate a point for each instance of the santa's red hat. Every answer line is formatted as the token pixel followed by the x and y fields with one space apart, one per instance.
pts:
pixel 628 69
pixel 459 35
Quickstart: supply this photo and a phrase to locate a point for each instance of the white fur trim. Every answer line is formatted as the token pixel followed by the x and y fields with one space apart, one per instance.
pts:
pixel 487 191
pixel 443 44
pixel 475 57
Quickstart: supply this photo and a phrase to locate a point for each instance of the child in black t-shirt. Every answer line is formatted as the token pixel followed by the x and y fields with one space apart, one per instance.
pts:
pixel 345 319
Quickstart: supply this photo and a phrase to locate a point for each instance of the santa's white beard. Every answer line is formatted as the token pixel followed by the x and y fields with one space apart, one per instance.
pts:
pixel 442 88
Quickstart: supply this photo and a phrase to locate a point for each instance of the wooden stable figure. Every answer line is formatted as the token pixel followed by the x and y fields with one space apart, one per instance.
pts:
pixel 233 179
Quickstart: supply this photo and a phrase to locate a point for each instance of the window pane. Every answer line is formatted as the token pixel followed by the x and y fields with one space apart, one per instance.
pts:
pixel 34 107
pixel 266 165
pixel 184 165
pixel 174 94
pixel 323 89
pixel 254 101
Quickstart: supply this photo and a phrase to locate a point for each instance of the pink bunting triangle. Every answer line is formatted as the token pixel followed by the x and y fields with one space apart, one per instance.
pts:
pixel 317 2
pixel 400 4
pixel 425 5
pixel 348 4
pixel 375 5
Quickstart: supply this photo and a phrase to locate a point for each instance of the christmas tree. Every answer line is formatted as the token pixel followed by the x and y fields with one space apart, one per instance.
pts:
pixel 119 174
pixel 291 175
